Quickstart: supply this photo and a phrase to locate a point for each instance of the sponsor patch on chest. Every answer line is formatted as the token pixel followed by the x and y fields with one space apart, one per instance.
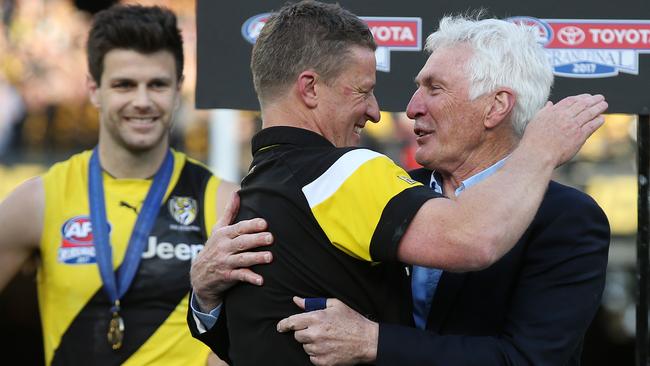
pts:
pixel 78 247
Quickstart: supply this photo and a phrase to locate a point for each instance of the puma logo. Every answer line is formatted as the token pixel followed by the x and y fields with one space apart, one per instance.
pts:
pixel 125 204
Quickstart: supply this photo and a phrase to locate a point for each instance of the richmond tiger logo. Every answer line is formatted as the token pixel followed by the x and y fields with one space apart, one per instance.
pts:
pixel 183 209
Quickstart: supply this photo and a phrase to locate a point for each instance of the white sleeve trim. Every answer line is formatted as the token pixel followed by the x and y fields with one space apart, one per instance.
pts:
pixel 330 181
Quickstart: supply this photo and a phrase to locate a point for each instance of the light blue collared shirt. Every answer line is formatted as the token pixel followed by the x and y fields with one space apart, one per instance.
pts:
pixel 424 281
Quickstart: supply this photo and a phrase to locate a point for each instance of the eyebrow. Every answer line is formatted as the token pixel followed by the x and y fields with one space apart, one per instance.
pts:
pixel 426 80
pixel 163 79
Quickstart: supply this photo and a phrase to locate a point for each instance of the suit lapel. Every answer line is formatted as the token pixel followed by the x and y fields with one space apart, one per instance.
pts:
pixel 446 294
pixel 450 283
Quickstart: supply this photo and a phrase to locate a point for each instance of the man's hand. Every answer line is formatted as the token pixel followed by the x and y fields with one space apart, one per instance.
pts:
pixel 561 129
pixel 225 259
pixel 336 335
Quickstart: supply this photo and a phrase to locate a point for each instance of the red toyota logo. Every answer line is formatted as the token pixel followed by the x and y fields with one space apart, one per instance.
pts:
pixel 571 35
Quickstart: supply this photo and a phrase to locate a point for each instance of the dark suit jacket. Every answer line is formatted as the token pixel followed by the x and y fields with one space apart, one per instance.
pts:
pixel 530 308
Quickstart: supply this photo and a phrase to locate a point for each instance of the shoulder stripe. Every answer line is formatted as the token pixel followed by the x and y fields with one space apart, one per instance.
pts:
pixel 330 181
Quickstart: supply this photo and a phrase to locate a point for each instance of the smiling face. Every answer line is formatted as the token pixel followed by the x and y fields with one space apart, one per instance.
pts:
pixel 448 125
pixel 137 96
pixel 349 101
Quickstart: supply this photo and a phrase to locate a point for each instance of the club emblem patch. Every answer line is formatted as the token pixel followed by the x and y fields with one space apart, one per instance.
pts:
pixel 183 209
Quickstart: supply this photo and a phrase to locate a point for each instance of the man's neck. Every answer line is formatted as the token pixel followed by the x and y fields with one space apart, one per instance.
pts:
pixel 475 163
pixel 287 112
pixel 121 163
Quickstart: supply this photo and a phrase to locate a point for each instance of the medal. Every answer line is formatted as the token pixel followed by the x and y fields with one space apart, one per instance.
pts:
pixel 116 284
pixel 115 333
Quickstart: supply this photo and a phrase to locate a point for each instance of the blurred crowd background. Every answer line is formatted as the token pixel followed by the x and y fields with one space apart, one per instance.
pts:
pixel 45 116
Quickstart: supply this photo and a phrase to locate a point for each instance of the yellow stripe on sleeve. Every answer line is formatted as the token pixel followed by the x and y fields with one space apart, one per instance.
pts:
pixel 349 198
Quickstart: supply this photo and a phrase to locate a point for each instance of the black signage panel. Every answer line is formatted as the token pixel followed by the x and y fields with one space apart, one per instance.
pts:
pixel 594 46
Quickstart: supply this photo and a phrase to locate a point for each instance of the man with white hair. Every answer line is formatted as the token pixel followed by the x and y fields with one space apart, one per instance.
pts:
pixel 534 305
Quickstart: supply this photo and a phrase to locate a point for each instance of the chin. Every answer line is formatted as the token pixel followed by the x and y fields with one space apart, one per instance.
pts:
pixel 141 146
pixel 354 140
pixel 421 159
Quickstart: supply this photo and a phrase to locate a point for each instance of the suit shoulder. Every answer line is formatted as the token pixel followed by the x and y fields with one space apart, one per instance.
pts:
pixel 558 192
pixel 561 199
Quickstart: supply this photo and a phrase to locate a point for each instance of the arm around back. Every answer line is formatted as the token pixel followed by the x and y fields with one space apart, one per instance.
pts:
pixel 563 259
pixel 479 227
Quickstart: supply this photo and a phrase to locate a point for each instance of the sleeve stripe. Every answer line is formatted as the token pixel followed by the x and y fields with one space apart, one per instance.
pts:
pixel 395 220
pixel 330 181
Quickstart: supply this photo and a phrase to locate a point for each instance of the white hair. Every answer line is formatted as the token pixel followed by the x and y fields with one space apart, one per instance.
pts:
pixel 504 55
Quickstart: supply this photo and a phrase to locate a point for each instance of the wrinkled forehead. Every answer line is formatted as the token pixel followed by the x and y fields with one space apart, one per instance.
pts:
pixel 445 61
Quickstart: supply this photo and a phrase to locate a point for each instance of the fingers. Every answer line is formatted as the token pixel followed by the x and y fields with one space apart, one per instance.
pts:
pixel 247 259
pixel 583 106
pixel 283 326
pixel 229 212
pixel 310 348
pixel 245 242
pixel 246 275
pixel 592 112
pixel 299 301
pixel 241 236
pixel 590 127
pixel 294 323
pixel 304 336
pixel 244 227
pixel 304 320
pixel 570 101
pixel 590 108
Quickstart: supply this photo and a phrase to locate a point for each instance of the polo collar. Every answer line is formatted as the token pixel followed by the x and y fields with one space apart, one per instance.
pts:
pixel 287 135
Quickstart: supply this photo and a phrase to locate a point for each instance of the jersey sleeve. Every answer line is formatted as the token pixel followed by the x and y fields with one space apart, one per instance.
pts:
pixel 210 203
pixel 364 203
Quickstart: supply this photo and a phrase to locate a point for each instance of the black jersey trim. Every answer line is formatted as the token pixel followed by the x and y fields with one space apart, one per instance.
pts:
pixel 395 219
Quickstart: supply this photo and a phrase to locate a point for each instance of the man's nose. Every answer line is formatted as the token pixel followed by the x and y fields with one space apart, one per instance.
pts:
pixel 142 97
pixel 373 113
pixel 415 108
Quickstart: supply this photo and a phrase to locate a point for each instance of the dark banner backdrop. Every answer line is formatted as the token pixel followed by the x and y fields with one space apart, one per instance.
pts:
pixel 597 46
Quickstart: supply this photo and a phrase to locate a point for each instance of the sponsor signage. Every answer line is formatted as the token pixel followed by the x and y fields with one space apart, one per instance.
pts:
pixel 77 245
pixel 594 46
pixel 391 34
pixel 582 48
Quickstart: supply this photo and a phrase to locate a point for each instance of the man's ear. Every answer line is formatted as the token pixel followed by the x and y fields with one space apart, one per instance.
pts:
pixel 179 93
pixel 501 104
pixel 306 84
pixel 93 91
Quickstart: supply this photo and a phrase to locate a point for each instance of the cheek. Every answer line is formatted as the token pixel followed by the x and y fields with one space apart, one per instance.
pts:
pixel 114 103
pixel 449 111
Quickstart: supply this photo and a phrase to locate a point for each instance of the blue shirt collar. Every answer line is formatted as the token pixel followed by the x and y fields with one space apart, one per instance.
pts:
pixel 436 179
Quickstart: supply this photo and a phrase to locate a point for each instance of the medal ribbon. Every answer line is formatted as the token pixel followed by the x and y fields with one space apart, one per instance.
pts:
pixel 116 288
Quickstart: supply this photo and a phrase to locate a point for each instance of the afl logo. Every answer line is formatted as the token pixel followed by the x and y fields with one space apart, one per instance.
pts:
pixel 77 245
pixel 77 231
pixel 571 35
pixel 543 32
pixel 253 26
pixel 183 209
